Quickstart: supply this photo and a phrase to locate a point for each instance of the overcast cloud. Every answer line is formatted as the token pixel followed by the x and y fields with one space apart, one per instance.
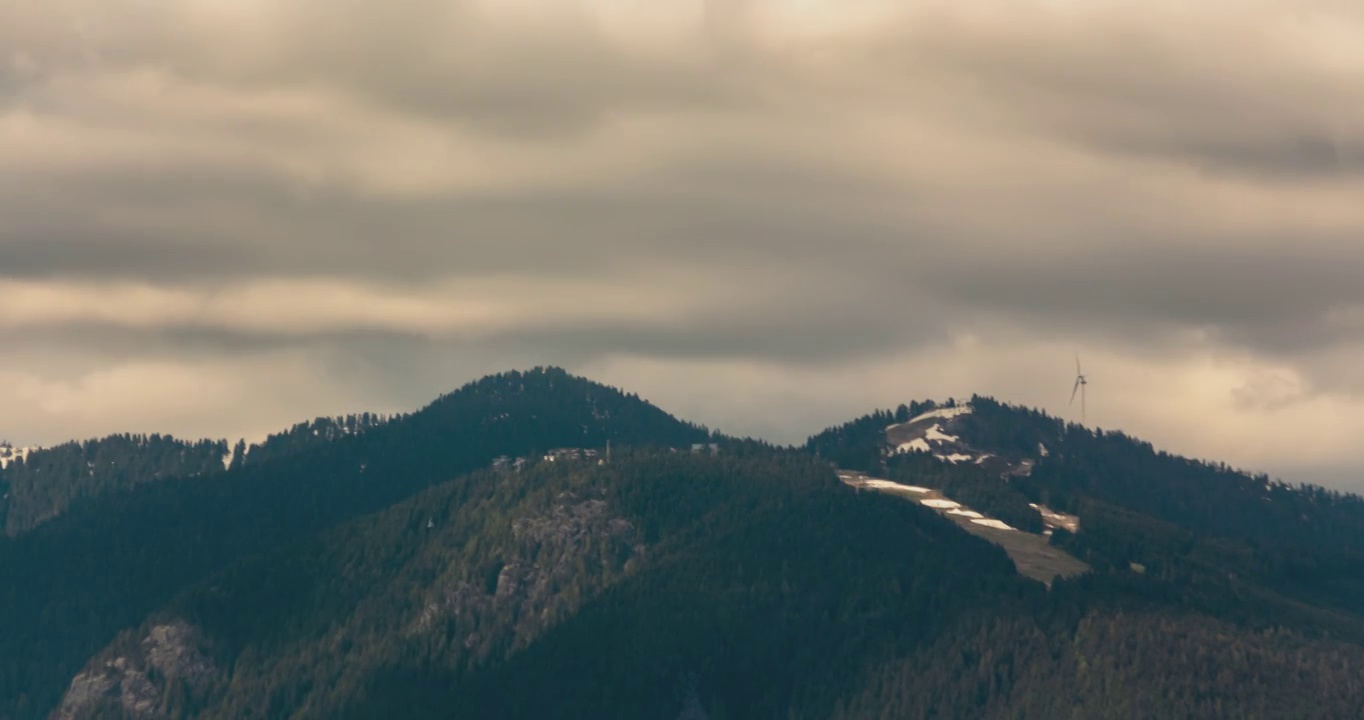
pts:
pixel 218 217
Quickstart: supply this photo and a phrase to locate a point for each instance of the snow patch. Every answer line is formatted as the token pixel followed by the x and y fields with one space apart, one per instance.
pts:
pixel 944 413
pixel 10 454
pixel 936 434
pixel 992 523
pixel 888 485
pixel 966 513
pixel 1042 450
pixel 983 458
pixel 954 458
pixel 1053 519
pixel 915 445
pixel 940 504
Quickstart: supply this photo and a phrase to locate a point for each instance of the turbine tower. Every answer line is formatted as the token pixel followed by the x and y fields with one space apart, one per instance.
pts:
pixel 1080 383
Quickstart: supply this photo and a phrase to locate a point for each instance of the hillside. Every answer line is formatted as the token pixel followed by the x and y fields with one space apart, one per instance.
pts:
pixel 1119 505
pixel 38 484
pixel 686 554
pixel 73 583
pixel 972 559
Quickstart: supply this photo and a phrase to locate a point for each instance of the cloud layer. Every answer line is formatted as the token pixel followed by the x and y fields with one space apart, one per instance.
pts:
pixel 804 208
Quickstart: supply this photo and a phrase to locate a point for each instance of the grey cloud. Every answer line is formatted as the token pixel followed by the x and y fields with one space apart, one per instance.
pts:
pixel 1269 296
pixel 1223 93
pixel 1302 155
pixel 1159 183
pixel 778 310
pixel 798 334
pixel 542 79
pixel 1268 391
pixel 213 227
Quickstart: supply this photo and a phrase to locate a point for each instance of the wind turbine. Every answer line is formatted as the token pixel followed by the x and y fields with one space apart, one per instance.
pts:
pixel 1080 383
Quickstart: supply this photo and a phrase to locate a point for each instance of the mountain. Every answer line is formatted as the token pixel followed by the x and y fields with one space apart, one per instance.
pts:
pixel 69 586
pixel 969 559
pixel 1190 523
pixel 438 601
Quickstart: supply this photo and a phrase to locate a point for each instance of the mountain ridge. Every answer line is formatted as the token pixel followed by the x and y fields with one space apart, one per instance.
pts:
pixel 398 565
pixel 131 553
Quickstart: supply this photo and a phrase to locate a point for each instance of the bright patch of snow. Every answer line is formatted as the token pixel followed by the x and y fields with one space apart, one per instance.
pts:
pixel 954 458
pixel 990 522
pixel 1054 519
pixel 888 485
pixel 915 445
pixel 940 504
pixel 983 458
pixel 1042 450
pixel 944 413
pixel 935 433
pixel 9 454
pixel 966 513
pixel 227 459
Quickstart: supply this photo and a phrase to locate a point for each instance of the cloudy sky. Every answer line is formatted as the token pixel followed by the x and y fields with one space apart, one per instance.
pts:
pixel 218 217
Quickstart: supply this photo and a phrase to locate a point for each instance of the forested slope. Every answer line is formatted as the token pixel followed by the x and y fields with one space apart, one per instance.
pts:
pixel 48 481
pixel 70 585
pixel 753 580
pixel 379 567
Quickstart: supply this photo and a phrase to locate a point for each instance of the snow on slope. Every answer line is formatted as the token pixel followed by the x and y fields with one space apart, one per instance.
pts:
pixel 1033 554
pixel 940 413
pixel 9 454
pixel 939 432
pixel 915 445
pixel 894 487
pixel 922 434
pixel 927 497
pixel 935 434
pixel 943 413
pixel 1053 519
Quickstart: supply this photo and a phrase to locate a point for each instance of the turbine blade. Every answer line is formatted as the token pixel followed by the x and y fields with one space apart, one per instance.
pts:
pixel 1074 390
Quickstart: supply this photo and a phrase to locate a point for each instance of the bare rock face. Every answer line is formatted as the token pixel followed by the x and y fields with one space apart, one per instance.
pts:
pixel 135 681
pixel 574 547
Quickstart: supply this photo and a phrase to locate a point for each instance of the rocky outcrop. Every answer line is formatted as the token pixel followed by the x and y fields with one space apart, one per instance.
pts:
pixel 558 558
pixel 134 682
